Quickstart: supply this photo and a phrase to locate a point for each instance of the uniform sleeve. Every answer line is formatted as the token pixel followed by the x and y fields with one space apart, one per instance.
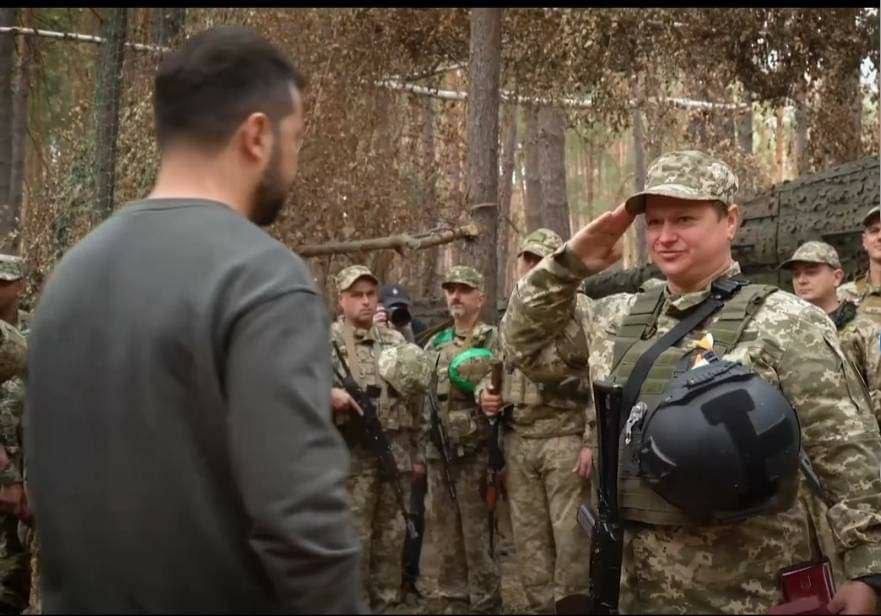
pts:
pixel 541 331
pixel 855 341
pixel 840 435
pixel 289 462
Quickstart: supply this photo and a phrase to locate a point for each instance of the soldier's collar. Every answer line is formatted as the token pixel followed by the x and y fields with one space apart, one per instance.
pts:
pixel 360 333
pixel 679 303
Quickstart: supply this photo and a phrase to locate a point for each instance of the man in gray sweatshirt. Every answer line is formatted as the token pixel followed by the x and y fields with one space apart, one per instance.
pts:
pixel 180 446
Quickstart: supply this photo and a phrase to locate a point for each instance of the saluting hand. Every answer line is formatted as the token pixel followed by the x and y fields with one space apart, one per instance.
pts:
pixel 598 244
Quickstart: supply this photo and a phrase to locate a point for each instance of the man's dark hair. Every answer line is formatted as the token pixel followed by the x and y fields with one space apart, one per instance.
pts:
pixel 205 89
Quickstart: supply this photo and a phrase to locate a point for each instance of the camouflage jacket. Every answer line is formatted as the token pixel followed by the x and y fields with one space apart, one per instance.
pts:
pixel 541 410
pixel 861 342
pixel 789 343
pixel 864 294
pixel 12 393
pixel 466 426
pixel 399 415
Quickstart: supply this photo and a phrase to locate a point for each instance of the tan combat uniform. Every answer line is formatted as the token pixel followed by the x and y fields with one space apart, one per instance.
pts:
pixel 458 533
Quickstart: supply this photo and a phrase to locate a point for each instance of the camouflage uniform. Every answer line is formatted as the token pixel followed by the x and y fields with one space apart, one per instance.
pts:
pixel 546 429
pixel 788 342
pixel 373 355
pixel 458 533
pixel 14 571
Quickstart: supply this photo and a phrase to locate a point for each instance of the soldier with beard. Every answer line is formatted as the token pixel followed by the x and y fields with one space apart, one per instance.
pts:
pixel 457 531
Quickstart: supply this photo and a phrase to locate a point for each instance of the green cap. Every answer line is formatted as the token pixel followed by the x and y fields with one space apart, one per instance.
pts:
pixel 347 277
pixel 689 175
pixel 814 252
pixel 540 242
pixel 11 267
pixel 463 274
pixel 875 211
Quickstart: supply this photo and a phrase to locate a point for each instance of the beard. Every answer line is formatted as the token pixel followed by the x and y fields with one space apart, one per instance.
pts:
pixel 271 193
pixel 457 310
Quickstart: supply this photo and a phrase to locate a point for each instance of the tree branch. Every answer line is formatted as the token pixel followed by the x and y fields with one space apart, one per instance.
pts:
pixel 400 242
pixel 71 36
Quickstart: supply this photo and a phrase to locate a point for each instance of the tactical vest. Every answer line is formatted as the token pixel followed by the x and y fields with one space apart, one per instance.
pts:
pixel 637 500
pixel 466 426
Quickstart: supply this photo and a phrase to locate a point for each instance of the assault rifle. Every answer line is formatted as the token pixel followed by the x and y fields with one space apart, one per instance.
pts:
pixel 607 532
pixel 376 440
pixel 496 464
pixel 438 434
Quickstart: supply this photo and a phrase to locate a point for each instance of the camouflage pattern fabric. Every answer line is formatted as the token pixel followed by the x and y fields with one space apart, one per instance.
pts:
pixel 463 274
pixel 381 531
pixel 458 532
pixel 458 536
pixel 15 569
pixel 551 549
pixel 689 175
pixel 864 294
pixel 861 343
pixel 814 252
pixel 11 267
pixel 540 242
pixel 373 502
pixel 349 275
pixel 789 343
pixel 407 368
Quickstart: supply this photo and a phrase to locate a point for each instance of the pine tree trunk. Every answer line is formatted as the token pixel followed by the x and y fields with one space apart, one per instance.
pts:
pixel 800 139
pixel 107 103
pixel 552 164
pixel 8 17
pixel 19 136
pixel 429 207
pixel 778 145
pixel 484 70
pixel 506 187
pixel 534 198
pixel 744 126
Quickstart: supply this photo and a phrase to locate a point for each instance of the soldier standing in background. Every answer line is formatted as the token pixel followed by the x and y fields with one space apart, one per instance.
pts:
pixel 866 292
pixel 14 552
pixel 547 434
pixel 816 275
pixel 457 530
pixel 377 356
pixel 674 559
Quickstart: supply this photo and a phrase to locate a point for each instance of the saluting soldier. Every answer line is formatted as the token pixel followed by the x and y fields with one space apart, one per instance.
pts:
pixel 714 372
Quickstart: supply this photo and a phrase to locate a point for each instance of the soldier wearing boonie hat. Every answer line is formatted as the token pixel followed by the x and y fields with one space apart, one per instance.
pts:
pixel 660 343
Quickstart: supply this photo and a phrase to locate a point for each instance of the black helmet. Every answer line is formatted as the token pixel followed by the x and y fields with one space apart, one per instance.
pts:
pixel 722 444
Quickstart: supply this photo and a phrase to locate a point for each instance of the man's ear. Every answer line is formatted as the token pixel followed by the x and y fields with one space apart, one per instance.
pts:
pixel 255 137
pixel 838 273
pixel 733 220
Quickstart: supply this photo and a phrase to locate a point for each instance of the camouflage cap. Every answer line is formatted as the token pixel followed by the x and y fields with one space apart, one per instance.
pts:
pixel 875 211
pixel 540 242
pixel 347 277
pixel 406 368
pixel 463 274
pixel 689 175
pixel 814 252
pixel 11 267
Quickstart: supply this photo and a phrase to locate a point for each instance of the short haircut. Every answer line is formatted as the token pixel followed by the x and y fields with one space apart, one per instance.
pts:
pixel 205 89
pixel 721 209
